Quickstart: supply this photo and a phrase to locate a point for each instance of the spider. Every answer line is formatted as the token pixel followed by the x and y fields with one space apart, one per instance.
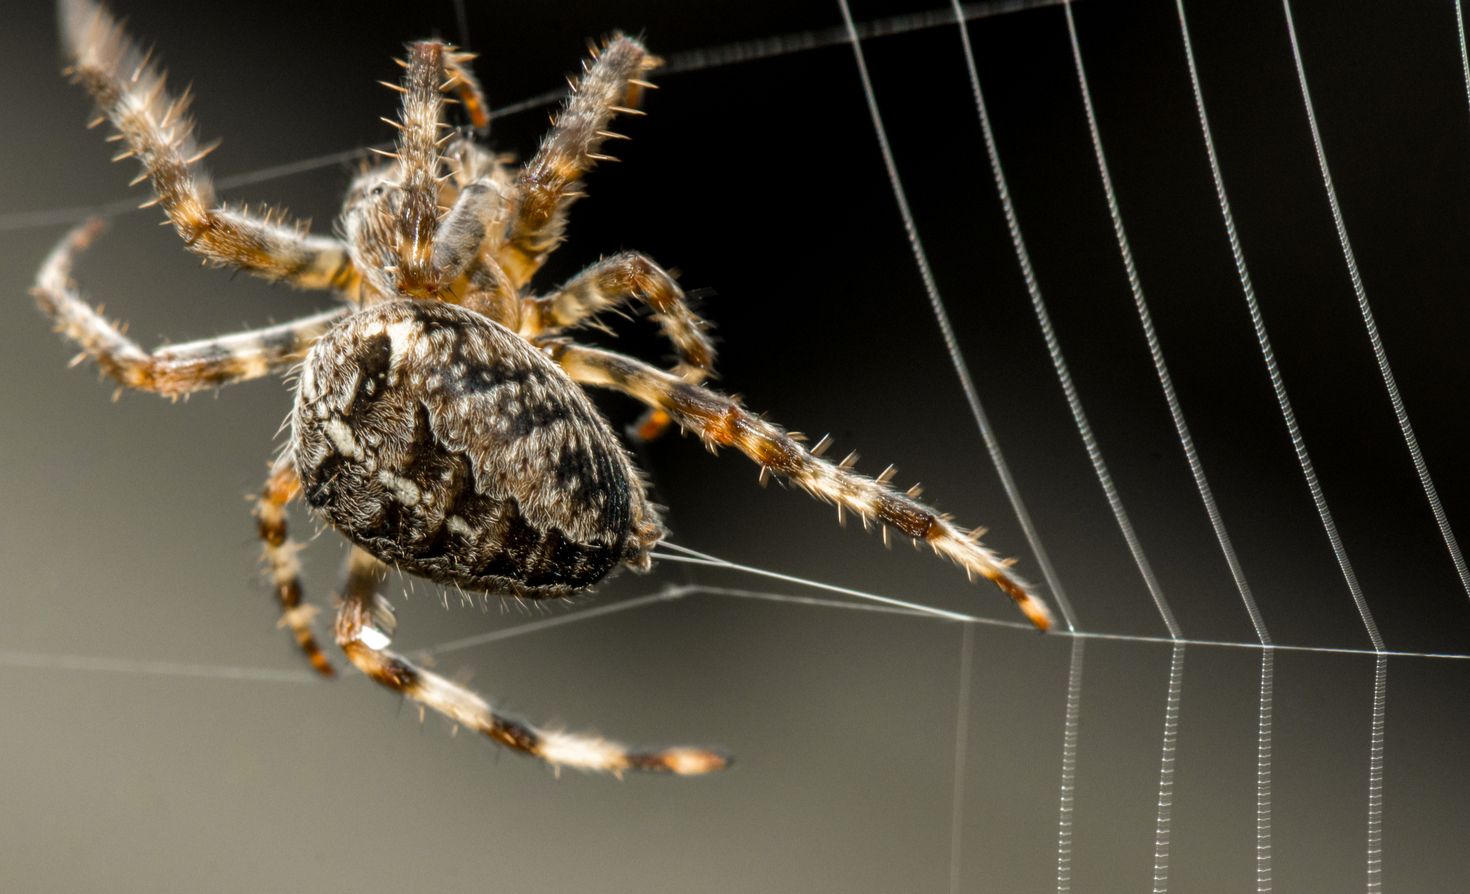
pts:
pixel 440 422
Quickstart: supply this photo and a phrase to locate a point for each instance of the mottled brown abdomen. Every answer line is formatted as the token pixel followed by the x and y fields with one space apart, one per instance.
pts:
pixel 448 447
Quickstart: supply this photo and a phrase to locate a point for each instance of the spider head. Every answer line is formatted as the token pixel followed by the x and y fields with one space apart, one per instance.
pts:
pixel 412 230
pixel 373 222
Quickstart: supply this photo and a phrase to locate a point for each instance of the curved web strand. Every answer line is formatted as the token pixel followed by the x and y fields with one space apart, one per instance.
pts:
pixel 1156 351
pixel 1263 807
pixel 1464 52
pixel 1268 664
pixel 1075 402
pixel 1380 353
pixel 1164 820
pixel 1301 450
pixel 1053 346
pixel 962 369
pixel 1273 369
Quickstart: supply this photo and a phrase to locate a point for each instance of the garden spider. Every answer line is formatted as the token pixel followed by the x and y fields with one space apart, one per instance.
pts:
pixel 439 420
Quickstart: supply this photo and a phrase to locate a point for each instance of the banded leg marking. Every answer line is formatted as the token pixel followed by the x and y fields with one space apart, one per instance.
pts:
pixel 173 369
pixel 550 181
pixel 720 421
pixel 280 557
pixel 131 93
pixel 467 87
pixel 620 280
pixel 364 626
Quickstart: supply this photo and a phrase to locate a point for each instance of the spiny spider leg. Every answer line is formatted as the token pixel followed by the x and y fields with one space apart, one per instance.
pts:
pixel 609 284
pixel 174 369
pixel 551 180
pixel 130 91
pixel 364 628
pixel 619 280
pixel 720 421
pixel 436 246
pixel 463 82
pixel 417 214
pixel 622 279
pixel 280 554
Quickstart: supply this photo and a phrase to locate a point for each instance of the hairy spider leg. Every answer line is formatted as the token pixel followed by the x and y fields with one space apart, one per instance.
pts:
pixel 551 180
pixel 280 556
pixel 171 370
pixel 617 281
pixel 130 91
pixel 721 422
pixel 364 628
pixel 620 280
pixel 434 246
pixel 433 253
pixel 417 213
pixel 470 234
pixel 463 82
pixel 610 284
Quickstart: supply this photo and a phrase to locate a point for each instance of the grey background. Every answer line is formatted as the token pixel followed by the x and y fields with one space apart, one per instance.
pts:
pixel 125 534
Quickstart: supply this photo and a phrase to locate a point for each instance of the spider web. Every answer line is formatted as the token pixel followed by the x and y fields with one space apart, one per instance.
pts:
pixel 1172 499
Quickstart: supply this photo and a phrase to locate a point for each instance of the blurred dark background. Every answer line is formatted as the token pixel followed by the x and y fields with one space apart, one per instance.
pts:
pixel 126 535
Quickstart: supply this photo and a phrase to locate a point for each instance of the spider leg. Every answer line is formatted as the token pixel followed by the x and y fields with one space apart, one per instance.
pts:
pixel 720 421
pixel 616 281
pixel 174 369
pixel 620 280
pixel 417 215
pixel 364 628
pixel 551 180
pixel 280 554
pixel 463 82
pixel 433 245
pixel 130 91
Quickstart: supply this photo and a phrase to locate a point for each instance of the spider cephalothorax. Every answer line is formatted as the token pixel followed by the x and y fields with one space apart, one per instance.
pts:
pixel 440 422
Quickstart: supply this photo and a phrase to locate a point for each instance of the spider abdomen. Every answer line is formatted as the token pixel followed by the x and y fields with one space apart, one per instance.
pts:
pixel 447 446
